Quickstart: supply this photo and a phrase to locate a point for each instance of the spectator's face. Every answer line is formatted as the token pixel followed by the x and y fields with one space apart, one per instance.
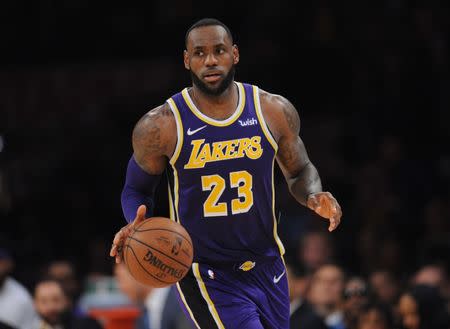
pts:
pixel 408 310
pixel 65 274
pixel 430 275
pixel 50 302
pixel 128 285
pixel 297 285
pixel 327 286
pixel 384 287
pixel 372 319
pixel 355 295
pixel 315 251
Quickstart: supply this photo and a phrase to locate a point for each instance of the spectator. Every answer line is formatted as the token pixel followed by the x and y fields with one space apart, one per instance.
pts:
pixel 303 314
pixel 160 308
pixel 375 316
pixel 315 249
pixel 434 275
pixel 421 307
pixel 385 286
pixel 53 307
pixel 356 295
pixel 64 272
pixel 16 305
pixel 326 295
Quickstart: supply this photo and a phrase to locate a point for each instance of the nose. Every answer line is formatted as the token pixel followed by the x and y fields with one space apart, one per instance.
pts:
pixel 211 60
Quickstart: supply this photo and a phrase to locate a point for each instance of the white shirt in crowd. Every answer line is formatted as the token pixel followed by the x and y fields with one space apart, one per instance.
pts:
pixel 154 303
pixel 16 306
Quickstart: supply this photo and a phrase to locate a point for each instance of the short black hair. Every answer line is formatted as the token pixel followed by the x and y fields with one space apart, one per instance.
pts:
pixel 207 22
pixel 381 308
pixel 47 279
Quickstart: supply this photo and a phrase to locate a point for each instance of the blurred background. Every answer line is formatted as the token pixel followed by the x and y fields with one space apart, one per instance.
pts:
pixel 370 80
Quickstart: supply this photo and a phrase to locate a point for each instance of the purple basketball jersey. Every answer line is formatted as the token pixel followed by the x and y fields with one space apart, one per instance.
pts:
pixel 223 191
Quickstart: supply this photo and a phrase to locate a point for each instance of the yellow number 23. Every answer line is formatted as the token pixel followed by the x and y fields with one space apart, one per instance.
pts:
pixel 241 180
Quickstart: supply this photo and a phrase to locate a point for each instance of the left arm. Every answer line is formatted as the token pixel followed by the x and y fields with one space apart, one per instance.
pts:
pixel 301 176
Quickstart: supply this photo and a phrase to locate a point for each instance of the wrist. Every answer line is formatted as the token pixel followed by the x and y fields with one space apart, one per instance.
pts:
pixel 311 200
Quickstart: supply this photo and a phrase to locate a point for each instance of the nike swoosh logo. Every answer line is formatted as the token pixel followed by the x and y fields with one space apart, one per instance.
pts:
pixel 278 278
pixel 192 132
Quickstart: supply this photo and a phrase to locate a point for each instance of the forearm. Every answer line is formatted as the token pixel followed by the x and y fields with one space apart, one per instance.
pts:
pixel 139 189
pixel 305 183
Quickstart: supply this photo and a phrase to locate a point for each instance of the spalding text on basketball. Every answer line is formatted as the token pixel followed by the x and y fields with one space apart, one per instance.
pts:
pixel 158 263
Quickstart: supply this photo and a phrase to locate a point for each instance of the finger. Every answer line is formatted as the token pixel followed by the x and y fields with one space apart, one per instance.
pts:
pixel 118 237
pixel 140 214
pixel 119 255
pixel 113 251
pixel 333 225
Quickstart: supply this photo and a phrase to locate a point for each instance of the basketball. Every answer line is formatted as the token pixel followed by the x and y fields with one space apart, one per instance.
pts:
pixel 158 252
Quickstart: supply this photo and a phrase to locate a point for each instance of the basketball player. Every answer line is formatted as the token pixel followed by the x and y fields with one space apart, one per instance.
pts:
pixel 221 139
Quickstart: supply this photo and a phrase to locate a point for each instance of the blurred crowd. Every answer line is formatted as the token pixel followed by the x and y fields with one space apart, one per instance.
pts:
pixel 371 82
pixel 323 295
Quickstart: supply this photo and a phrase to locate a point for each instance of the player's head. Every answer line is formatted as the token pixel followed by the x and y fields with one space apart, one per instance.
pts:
pixel 210 55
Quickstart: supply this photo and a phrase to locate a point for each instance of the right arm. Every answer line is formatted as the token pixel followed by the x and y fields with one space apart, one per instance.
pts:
pixel 153 144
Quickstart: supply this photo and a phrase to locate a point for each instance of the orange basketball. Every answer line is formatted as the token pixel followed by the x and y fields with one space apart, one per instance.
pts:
pixel 158 252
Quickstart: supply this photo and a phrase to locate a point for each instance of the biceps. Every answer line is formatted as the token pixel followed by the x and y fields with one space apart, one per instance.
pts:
pixel 292 156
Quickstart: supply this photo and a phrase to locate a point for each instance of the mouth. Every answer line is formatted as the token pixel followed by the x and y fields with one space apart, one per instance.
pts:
pixel 212 76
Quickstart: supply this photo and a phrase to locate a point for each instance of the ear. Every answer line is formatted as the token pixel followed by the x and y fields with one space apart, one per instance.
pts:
pixel 186 60
pixel 235 54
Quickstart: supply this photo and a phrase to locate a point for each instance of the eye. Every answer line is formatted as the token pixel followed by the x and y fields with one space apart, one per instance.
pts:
pixel 220 51
pixel 198 53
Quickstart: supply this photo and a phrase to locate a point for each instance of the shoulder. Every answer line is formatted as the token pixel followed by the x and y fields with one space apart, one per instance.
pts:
pixel 155 119
pixel 280 114
pixel 155 130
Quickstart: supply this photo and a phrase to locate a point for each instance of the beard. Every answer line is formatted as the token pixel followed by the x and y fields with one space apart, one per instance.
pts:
pixel 217 90
pixel 53 318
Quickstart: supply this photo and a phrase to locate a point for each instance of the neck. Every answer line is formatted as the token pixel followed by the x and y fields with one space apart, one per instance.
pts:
pixel 222 98
pixel 326 309
pixel 216 106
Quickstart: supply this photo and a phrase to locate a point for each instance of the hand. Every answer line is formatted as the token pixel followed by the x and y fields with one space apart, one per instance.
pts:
pixel 325 205
pixel 119 238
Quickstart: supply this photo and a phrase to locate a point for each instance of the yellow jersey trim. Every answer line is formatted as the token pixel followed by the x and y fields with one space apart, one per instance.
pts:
pixel 183 299
pixel 176 153
pixel 171 206
pixel 180 131
pixel 175 180
pixel 204 292
pixel 219 123
pixel 263 123
pixel 275 225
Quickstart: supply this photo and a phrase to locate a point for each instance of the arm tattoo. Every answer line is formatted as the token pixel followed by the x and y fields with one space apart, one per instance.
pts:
pixel 291 116
pixel 301 175
pixel 147 134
